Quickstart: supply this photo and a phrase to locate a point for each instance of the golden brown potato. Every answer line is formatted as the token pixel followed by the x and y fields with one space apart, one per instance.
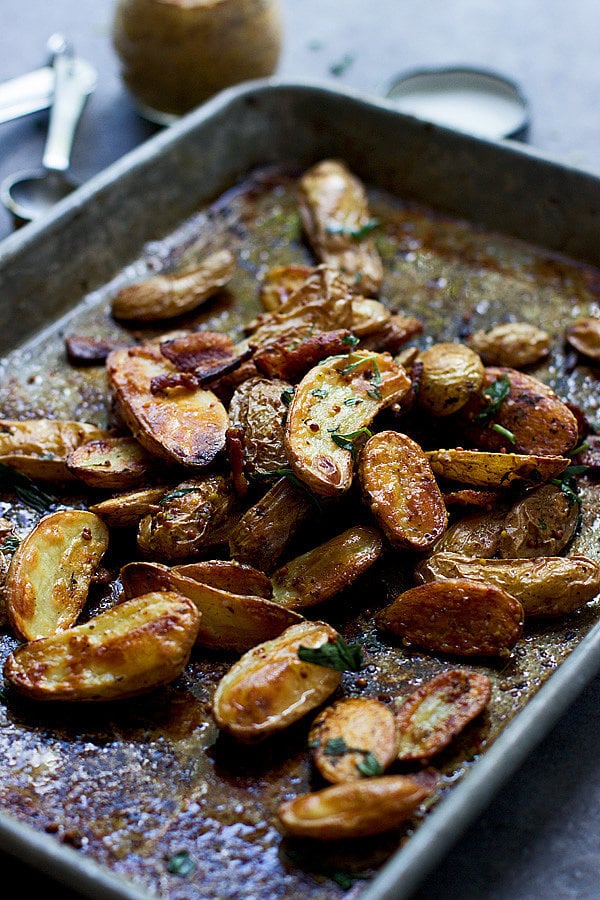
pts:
pixel 354 809
pixel 270 687
pixel 514 344
pixel 330 410
pixel 50 572
pixel 583 334
pixel 354 738
pixel 400 489
pixel 326 570
pixel 476 534
pixel 193 516
pixel 230 621
pixel 456 616
pixel 39 448
pixel 125 510
pixel 228 575
pixel 292 360
pixel 542 523
pixel 545 586
pixel 116 463
pixel 451 375
pixel 518 413
pixel 368 316
pixel 185 426
pixel 262 534
pixel 280 282
pixel 130 649
pixel 392 335
pixel 334 210
pixel 165 296
pixel 257 408
pixel 432 715
pixel 484 468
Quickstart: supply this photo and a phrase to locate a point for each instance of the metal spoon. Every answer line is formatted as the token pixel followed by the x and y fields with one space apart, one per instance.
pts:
pixel 29 195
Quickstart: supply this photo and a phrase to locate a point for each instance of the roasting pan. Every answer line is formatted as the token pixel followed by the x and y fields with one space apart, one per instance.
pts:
pixel 102 799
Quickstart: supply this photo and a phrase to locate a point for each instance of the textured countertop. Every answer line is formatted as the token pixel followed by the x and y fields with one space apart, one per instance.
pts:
pixel 541 834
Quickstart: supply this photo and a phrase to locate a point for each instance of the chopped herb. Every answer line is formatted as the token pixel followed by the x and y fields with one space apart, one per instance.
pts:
pixel 583 446
pixel 315 44
pixel 351 441
pixel 10 543
pixel 344 63
pixel 321 393
pixel 334 655
pixel 181 864
pixel 287 396
pixel 358 362
pixel 357 233
pixel 374 393
pixel 351 340
pixel 568 485
pixel 336 747
pixel 291 476
pixel 369 765
pixel 504 432
pixel 174 495
pixel 26 490
pixel 352 401
pixel 495 394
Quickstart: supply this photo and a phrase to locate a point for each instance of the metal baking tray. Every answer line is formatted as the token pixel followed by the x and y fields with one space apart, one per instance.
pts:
pixel 143 213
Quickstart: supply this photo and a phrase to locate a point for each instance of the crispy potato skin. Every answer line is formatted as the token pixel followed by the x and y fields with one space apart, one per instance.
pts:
pixel 513 344
pixel 228 575
pixel 339 397
pixel 451 375
pixel 132 648
pixel 546 586
pixel 433 714
pixel 258 410
pixel 270 687
pixel 184 426
pixel 542 523
pixel 354 809
pixel 364 725
pixel 400 489
pixel 50 572
pixel 125 510
pixel 326 570
pixel 116 463
pixel 39 448
pixel 333 208
pixel 583 334
pixel 476 534
pixel 456 616
pixel 541 424
pixel 486 468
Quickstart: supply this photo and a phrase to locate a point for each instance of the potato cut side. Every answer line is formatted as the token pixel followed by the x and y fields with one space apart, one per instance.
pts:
pixel 354 738
pixel 330 413
pixel 326 570
pixel 400 489
pixel 489 469
pixel 437 711
pixel 186 426
pixel 228 575
pixel 39 448
pixel 130 649
pixel 355 809
pixel 546 586
pixel 125 510
pixel 230 621
pixel 165 296
pixel 456 616
pixel 116 463
pixel 270 687
pixel 51 570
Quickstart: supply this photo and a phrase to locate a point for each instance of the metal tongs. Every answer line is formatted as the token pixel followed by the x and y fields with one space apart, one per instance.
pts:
pixel 34 91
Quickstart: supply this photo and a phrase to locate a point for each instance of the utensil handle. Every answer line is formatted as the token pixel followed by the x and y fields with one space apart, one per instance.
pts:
pixel 71 89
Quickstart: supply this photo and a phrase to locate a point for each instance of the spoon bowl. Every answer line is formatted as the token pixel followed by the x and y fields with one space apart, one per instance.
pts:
pixel 31 195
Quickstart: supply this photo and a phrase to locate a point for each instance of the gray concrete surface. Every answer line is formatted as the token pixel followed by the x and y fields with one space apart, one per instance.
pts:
pixel 541 835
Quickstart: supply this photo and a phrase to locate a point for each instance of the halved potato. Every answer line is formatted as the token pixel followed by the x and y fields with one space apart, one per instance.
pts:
pixel 400 489
pixel 451 374
pixel 165 296
pixel 270 687
pixel 230 621
pixel 545 585
pixel 324 571
pixel 514 344
pixel 112 463
pixel 542 523
pixel 330 411
pixel 50 572
pixel 39 448
pixel 126 510
pixel 186 426
pixel 500 470
pixel 476 534
pixel 355 809
pixel 354 738
pixel 130 649
pixel 228 575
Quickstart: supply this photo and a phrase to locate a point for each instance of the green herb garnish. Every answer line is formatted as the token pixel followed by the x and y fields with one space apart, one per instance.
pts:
pixel 181 864
pixel 369 765
pixel 26 490
pixel 334 655
pixel 358 233
pixel 495 394
pixel 338 68
pixel 352 401
pixel 287 396
pixel 504 432
pixel 10 543
pixel 336 747
pixel 174 495
pixel 351 441
pixel 321 393
pixel 351 340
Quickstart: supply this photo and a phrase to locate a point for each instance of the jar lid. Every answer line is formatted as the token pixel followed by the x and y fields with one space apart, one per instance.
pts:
pixel 480 102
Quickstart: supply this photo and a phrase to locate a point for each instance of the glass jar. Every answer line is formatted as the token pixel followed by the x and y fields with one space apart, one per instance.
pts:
pixel 175 54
